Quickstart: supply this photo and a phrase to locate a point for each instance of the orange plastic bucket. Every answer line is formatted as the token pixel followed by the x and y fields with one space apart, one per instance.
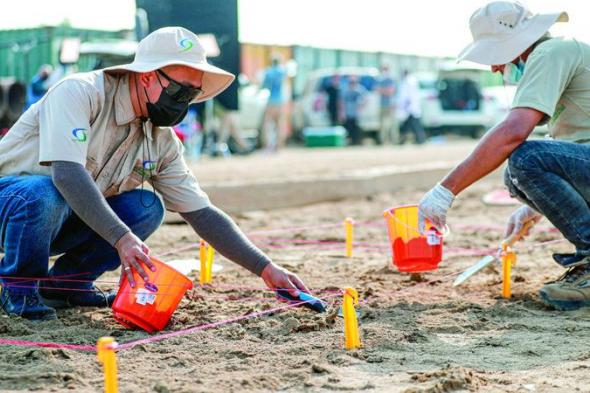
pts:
pixel 150 305
pixel 412 252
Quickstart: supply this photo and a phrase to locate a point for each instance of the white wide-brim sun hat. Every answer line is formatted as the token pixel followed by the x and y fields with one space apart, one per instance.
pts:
pixel 503 30
pixel 177 46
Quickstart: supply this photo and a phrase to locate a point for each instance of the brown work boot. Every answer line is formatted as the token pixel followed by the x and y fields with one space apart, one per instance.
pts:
pixel 571 291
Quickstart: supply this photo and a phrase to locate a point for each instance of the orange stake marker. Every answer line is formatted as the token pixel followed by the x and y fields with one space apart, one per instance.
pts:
pixel 209 270
pixel 508 259
pixel 105 350
pixel 206 254
pixel 348 227
pixel 351 326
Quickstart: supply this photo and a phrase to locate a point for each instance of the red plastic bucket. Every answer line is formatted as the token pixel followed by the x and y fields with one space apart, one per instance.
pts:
pixel 150 305
pixel 412 252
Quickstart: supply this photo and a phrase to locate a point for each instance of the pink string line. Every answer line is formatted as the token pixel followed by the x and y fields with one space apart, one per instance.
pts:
pixel 247 288
pixel 461 251
pixel 53 278
pixel 160 337
pixel 501 228
pixel 132 344
pixel 333 225
pixel 371 223
pixel 207 286
pixel 300 248
pixel 532 246
pixel 188 247
pixel 159 293
pixel 296 228
pixel 272 240
pixel 21 280
pixel 83 290
pixel 183 332
pixel 271 243
pixel 241 299
pixel 449 251
pixel 42 344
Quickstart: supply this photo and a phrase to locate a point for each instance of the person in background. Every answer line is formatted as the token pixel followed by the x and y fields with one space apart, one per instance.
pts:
pixel 39 85
pixel 274 118
pixel 551 176
pixel 353 99
pixel 386 86
pixel 409 109
pixel 333 102
pixel 229 126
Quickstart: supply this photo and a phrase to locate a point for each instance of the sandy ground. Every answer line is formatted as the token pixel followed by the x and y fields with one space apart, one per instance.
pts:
pixel 418 336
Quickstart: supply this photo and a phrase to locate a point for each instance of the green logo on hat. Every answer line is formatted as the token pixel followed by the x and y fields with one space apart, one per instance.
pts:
pixel 79 134
pixel 186 45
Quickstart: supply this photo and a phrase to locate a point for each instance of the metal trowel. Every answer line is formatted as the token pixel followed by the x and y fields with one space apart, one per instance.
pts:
pixel 489 259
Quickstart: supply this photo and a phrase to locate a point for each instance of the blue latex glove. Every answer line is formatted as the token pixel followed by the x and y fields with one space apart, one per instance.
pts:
pixel 433 207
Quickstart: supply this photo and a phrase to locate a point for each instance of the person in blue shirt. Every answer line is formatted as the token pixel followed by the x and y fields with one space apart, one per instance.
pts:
pixel 353 99
pixel 38 86
pixel 274 80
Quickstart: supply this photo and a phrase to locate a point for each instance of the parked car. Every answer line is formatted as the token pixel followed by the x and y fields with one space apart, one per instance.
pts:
pixel 453 100
pixel 310 108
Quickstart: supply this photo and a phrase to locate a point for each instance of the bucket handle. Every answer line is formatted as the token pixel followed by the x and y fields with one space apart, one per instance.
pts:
pixel 446 231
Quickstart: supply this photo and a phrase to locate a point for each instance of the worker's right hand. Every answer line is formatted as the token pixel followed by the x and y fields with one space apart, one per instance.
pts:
pixel 276 277
pixel 433 207
pixel 518 218
pixel 132 251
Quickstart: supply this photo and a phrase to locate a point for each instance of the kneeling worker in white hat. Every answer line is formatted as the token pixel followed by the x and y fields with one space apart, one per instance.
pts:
pixel 551 177
pixel 72 171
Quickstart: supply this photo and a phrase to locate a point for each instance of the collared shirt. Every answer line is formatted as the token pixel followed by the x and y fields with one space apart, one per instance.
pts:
pixel 88 118
pixel 556 81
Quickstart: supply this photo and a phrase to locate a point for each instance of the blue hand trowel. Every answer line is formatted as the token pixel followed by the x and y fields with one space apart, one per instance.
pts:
pixel 311 302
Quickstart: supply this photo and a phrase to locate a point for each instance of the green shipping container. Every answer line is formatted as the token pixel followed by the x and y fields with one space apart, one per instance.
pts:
pixel 23 51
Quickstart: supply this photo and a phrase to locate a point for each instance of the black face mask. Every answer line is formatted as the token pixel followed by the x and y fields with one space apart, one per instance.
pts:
pixel 166 111
pixel 172 105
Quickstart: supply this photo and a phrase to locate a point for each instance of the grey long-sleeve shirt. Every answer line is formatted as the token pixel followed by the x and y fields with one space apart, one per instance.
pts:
pixel 210 223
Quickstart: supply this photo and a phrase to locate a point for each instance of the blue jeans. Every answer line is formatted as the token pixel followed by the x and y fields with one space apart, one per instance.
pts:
pixel 36 223
pixel 554 178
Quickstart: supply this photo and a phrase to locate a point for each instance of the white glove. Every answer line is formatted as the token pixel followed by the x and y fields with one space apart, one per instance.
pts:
pixel 433 207
pixel 520 217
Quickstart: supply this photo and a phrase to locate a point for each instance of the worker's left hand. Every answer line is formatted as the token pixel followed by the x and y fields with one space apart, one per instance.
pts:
pixel 433 207
pixel 277 277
